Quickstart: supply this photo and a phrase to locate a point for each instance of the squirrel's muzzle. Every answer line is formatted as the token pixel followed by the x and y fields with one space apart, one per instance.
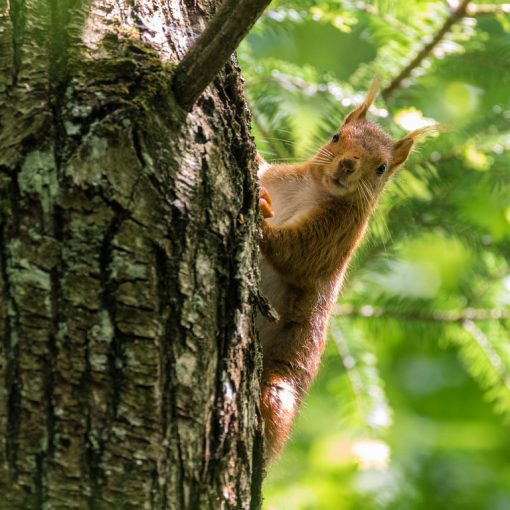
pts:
pixel 345 167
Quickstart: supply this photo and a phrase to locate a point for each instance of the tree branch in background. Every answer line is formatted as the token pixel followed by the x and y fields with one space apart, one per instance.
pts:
pixel 478 10
pixel 489 351
pixel 348 360
pixel 217 42
pixel 456 15
pixel 468 314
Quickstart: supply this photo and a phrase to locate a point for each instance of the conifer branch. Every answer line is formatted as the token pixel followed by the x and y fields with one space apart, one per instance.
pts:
pixel 456 15
pixel 217 42
pixel 348 360
pixel 491 354
pixel 365 382
pixel 479 10
pixel 468 314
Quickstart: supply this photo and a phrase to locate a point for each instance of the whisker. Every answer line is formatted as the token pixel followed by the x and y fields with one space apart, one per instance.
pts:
pixel 319 148
pixel 286 140
pixel 321 160
pixel 268 153
pixel 381 217
pixel 366 193
pixel 367 189
pixel 322 150
pixel 281 130
pixel 286 159
pixel 370 191
pixel 370 201
pixel 324 155
pixel 358 192
pixel 364 201
pixel 363 188
pixel 352 205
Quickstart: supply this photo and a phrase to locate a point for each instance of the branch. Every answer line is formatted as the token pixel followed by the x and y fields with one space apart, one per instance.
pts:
pixel 454 17
pixel 348 360
pixel 468 314
pixel 478 10
pixel 217 42
pixel 489 351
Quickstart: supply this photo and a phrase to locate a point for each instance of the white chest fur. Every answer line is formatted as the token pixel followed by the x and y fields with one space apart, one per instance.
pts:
pixel 292 197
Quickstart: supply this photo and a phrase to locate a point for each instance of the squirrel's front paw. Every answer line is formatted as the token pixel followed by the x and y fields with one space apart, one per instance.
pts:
pixel 265 203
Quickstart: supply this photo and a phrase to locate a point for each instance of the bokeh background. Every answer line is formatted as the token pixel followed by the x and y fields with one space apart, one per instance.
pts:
pixel 411 409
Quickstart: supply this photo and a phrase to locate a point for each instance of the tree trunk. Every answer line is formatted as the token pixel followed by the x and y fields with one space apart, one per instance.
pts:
pixel 128 234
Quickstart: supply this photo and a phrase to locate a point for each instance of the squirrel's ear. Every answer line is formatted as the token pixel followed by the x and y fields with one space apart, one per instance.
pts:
pixel 402 148
pixel 361 111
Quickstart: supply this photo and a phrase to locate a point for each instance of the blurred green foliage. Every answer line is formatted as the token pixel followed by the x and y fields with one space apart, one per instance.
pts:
pixel 411 409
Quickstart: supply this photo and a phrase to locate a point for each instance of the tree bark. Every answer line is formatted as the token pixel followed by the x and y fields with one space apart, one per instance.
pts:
pixel 128 245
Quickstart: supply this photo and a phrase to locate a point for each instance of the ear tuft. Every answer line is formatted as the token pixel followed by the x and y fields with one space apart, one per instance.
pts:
pixel 373 92
pixel 420 134
pixel 361 111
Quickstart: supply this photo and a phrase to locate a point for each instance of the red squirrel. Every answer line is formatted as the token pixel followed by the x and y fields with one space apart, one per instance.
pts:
pixel 314 216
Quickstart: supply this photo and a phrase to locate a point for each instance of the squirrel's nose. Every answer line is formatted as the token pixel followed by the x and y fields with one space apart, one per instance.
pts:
pixel 345 166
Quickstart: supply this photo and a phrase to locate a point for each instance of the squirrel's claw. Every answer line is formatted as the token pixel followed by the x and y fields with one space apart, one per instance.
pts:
pixel 265 203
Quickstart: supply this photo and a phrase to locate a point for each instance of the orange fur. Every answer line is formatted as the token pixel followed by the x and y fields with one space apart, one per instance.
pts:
pixel 315 215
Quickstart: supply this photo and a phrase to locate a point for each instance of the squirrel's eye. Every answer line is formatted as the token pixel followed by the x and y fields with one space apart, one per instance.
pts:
pixel 381 169
pixel 335 137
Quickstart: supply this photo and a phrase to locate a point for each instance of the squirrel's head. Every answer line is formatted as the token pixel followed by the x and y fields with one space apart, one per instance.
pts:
pixel 360 157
